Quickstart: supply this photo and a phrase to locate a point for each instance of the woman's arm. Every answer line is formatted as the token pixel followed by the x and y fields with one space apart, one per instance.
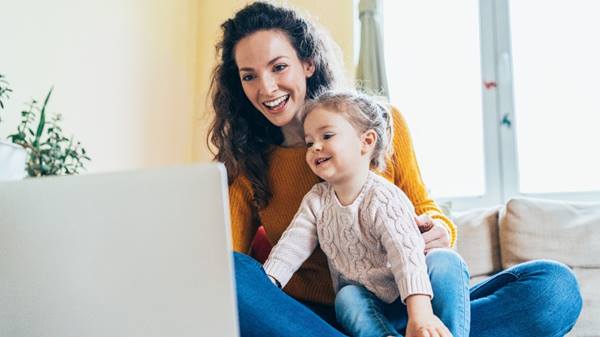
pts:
pixel 243 226
pixel 407 176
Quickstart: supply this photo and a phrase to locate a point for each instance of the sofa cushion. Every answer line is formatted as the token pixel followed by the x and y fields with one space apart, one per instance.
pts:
pixel 477 240
pixel 588 324
pixel 566 232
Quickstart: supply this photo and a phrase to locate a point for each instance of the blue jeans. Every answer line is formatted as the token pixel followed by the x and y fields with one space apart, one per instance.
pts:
pixel 362 314
pixel 538 298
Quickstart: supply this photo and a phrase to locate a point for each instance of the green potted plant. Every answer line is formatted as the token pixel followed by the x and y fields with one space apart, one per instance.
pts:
pixel 48 151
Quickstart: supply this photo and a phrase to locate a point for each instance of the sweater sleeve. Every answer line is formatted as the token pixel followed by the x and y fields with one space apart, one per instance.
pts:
pixel 403 243
pixel 408 176
pixel 243 228
pixel 297 242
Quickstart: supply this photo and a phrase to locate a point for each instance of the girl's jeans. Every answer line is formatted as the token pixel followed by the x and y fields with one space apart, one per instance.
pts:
pixel 362 314
pixel 539 298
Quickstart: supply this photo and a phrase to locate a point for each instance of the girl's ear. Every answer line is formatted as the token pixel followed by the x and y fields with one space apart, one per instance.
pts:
pixel 309 68
pixel 368 140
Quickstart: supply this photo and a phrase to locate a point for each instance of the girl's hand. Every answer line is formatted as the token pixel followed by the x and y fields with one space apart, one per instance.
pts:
pixel 421 320
pixel 434 232
pixel 427 327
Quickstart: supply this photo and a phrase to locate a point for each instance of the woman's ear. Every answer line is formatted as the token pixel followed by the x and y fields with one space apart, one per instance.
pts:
pixel 309 68
pixel 368 139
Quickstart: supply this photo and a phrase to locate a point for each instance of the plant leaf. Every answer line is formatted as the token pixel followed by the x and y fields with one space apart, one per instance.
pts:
pixel 42 123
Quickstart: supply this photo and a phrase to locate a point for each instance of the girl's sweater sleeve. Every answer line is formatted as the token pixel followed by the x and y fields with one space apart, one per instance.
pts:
pixel 297 242
pixel 408 176
pixel 403 243
pixel 243 227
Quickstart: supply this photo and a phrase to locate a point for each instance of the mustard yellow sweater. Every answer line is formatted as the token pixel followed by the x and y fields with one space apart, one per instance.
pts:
pixel 291 179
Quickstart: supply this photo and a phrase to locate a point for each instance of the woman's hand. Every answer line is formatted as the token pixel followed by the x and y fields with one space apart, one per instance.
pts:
pixel 431 327
pixel 434 232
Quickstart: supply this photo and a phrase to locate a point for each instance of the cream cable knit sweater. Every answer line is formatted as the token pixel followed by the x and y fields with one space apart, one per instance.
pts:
pixel 374 241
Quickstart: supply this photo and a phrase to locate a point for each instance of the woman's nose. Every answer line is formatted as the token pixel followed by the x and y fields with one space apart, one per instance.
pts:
pixel 268 84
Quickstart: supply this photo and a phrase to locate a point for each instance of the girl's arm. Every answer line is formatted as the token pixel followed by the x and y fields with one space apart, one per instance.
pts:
pixel 393 217
pixel 297 242
pixel 404 245
pixel 421 320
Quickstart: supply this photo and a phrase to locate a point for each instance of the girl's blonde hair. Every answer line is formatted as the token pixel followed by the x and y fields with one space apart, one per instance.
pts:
pixel 364 113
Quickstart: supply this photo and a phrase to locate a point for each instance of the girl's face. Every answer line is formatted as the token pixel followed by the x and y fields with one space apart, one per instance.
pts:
pixel 336 152
pixel 272 75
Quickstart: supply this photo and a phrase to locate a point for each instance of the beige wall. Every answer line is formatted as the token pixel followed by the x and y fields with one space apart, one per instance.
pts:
pixel 123 72
pixel 130 76
pixel 335 16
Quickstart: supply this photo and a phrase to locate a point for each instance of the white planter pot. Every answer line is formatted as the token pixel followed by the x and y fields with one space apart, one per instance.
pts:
pixel 12 161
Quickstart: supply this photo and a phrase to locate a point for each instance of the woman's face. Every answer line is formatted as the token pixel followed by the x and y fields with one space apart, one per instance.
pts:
pixel 272 75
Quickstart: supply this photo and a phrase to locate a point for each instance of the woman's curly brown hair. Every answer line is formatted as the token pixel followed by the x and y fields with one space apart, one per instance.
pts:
pixel 242 136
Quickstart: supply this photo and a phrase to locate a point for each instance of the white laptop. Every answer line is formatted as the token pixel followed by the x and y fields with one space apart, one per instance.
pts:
pixel 135 254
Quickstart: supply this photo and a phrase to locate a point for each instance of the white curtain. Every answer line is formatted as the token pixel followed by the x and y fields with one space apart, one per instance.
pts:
pixel 371 64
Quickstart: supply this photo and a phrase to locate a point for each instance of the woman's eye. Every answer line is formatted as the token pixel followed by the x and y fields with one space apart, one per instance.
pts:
pixel 246 78
pixel 328 135
pixel 279 67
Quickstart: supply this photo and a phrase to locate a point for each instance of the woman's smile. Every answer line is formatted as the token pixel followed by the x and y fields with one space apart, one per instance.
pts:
pixel 278 104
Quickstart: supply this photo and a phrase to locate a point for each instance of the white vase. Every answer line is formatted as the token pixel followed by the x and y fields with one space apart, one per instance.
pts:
pixel 12 161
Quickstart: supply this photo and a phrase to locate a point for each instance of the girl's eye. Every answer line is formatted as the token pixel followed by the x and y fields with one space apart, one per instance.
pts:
pixel 247 77
pixel 280 67
pixel 328 135
pixel 309 144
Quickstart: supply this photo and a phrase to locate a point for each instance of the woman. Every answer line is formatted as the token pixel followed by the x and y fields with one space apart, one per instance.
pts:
pixel 271 61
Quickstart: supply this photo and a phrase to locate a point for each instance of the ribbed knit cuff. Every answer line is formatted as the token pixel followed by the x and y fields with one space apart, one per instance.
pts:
pixel 415 284
pixel 447 224
pixel 279 270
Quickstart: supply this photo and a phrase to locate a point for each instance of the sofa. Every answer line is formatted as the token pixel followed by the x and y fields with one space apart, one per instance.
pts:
pixel 524 229
pixel 495 238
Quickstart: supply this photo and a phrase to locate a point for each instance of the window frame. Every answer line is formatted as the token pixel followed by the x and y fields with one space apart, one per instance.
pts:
pixel 499 117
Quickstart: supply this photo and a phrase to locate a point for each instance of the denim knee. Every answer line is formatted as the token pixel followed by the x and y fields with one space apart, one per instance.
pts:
pixel 361 313
pixel 347 297
pixel 562 292
pixel 445 261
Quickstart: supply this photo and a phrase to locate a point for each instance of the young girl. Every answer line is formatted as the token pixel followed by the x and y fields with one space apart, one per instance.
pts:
pixel 364 223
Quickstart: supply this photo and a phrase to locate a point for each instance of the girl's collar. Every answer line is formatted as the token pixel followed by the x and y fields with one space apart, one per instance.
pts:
pixel 359 197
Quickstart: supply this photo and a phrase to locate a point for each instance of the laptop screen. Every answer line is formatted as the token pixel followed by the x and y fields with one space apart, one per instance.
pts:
pixel 143 253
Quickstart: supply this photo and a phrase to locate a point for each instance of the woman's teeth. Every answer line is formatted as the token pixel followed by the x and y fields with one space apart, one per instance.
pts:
pixel 276 102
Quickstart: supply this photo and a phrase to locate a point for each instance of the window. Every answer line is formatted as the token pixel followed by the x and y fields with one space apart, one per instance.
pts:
pixel 491 118
pixel 432 61
pixel 556 66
